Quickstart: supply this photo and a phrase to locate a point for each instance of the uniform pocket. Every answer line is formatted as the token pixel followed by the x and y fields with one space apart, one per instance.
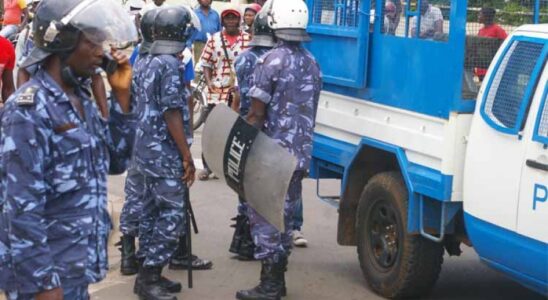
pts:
pixel 68 239
pixel 72 153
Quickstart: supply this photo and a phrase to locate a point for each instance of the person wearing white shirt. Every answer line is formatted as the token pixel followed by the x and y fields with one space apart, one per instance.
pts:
pixel 431 22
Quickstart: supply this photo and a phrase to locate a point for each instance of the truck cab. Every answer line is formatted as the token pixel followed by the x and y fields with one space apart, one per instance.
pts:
pixel 506 166
pixel 430 151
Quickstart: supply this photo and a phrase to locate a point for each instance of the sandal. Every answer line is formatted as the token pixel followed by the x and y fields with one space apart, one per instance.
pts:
pixel 204 175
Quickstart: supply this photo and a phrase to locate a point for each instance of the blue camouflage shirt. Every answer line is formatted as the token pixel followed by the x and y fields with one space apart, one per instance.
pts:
pixel 54 223
pixel 288 80
pixel 245 65
pixel 162 88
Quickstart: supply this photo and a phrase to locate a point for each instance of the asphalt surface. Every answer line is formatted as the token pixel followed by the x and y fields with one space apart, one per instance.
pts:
pixel 324 270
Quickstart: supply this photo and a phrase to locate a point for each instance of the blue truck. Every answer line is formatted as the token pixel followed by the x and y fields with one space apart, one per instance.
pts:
pixel 438 135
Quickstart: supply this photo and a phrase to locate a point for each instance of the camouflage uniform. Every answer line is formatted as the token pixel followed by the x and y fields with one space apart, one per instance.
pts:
pixel 245 65
pixel 131 211
pixel 54 168
pixel 288 81
pixel 157 159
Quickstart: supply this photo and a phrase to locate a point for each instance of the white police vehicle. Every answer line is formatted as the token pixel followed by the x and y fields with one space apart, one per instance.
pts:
pixel 429 156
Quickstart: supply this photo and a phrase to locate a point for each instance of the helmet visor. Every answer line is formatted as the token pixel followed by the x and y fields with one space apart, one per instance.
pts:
pixel 103 22
pixel 266 9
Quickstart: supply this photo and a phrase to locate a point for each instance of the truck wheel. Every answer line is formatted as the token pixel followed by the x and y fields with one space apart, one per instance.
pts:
pixel 394 263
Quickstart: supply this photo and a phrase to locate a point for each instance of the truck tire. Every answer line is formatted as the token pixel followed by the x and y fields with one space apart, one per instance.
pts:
pixel 395 264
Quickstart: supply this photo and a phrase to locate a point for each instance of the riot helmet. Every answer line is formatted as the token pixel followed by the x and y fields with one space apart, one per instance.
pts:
pixel 58 24
pixel 288 19
pixel 147 30
pixel 263 35
pixel 172 28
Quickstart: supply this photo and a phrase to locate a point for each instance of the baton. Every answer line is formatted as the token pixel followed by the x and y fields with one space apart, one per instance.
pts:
pixel 191 223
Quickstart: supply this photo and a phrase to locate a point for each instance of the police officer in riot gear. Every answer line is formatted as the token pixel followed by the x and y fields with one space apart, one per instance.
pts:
pixel 162 156
pixel 277 103
pixel 57 149
pixel 263 40
pixel 131 211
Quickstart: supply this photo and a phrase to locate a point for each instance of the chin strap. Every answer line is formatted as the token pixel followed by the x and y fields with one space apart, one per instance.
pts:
pixel 67 74
pixel 68 77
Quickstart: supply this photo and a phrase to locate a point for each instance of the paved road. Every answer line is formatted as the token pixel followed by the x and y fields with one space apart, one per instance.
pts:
pixel 324 270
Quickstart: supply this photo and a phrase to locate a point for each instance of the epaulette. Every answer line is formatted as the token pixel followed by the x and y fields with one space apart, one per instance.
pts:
pixel 26 98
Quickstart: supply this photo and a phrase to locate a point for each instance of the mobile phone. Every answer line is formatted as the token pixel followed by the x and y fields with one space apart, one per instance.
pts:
pixel 109 64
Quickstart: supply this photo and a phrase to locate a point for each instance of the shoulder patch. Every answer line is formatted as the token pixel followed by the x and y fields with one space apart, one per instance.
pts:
pixel 27 96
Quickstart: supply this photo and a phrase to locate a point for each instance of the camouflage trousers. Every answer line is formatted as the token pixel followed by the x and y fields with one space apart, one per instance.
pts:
pixel 73 293
pixel 162 218
pixel 133 205
pixel 242 206
pixel 271 243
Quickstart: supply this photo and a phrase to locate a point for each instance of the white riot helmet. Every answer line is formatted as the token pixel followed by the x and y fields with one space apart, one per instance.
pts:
pixel 288 19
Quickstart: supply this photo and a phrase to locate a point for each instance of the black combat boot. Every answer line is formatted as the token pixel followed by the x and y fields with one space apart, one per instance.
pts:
pixel 247 246
pixel 284 269
pixel 179 260
pixel 271 285
pixel 283 262
pixel 170 286
pixel 129 266
pixel 151 289
pixel 237 237
pixel 242 242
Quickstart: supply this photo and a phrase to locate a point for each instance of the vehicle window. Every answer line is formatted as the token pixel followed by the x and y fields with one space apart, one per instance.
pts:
pixel 336 12
pixel 403 18
pixel 542 131
pixel 488 23
pixel 511 88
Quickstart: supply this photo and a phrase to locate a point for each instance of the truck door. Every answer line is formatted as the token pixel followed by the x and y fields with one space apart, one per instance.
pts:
pixel 340 37
pixel 533 200
pixel 497 145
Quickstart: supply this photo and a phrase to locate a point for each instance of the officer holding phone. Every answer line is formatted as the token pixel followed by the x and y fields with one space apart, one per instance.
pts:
pixel 58 148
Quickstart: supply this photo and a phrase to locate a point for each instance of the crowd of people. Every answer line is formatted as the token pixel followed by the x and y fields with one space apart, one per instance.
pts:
pixel 61 134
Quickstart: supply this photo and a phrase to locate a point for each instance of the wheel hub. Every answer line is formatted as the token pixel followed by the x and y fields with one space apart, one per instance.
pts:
pixel 384 235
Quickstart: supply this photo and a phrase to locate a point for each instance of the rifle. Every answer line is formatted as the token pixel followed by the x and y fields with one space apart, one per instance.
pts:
pixel 191 223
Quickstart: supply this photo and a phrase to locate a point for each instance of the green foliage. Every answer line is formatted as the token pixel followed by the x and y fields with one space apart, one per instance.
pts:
pixel 508 12
pixel 515 14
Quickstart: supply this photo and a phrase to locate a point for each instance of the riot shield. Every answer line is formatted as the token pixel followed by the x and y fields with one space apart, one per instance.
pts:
pixel 252 164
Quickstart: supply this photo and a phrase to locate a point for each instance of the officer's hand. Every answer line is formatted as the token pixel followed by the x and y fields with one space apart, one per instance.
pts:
pixel 54 294
pixel 120 80
pixel 190 172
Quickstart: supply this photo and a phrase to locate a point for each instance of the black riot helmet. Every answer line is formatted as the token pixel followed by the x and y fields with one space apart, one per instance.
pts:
pixel 58 24
pixel 147 30
pixel 172 28
pixel 263 35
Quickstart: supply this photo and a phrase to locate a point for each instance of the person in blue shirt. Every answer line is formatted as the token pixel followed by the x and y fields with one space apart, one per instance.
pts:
pixel 210 22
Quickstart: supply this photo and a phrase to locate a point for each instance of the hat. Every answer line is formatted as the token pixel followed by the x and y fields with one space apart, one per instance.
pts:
pixel 254 7
pixel 231 10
